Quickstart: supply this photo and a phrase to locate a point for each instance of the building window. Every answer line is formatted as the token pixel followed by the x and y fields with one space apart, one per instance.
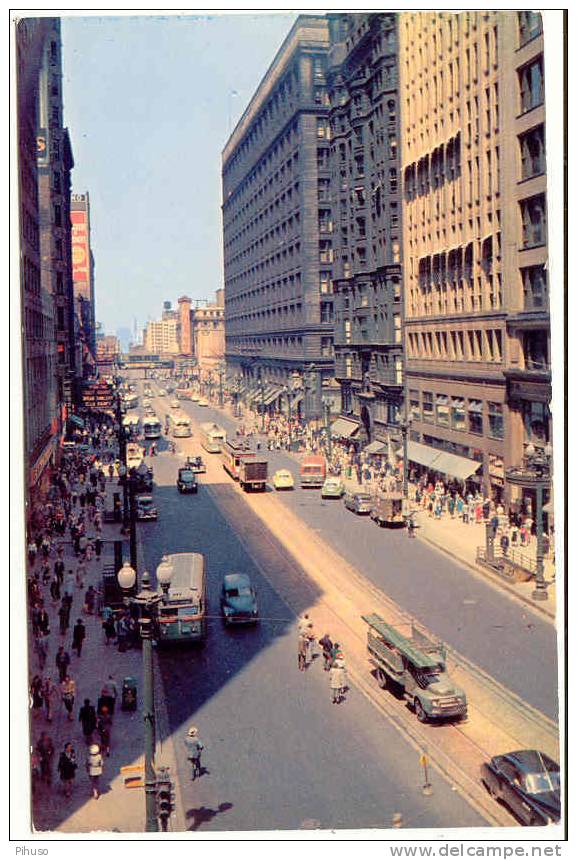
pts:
pixel 458 413
pixel 531 85
pixel 496 427
pixel 536 421
pixel 428 407
pixel 535 287
pixel 534 221
pixel 532 147
pixel 415 405
pixel 57 215
pixel 475 416
pixel 348 366
pixel 397 327
pixel 442 404
pixel 530 25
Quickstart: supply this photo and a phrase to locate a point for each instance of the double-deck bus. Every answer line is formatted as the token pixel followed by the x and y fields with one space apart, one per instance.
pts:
pixel 233 453
pixel 179 424
pixel 182 612
pixel 152 428
pixel 212 437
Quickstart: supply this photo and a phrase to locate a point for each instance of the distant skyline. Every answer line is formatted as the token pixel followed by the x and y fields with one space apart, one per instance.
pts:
pixel 150 102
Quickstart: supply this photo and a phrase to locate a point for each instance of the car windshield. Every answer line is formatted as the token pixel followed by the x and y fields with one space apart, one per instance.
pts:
pixel 145 503
pixel 240 591
pixel 363 497
pixel 540 783
pixel 187 476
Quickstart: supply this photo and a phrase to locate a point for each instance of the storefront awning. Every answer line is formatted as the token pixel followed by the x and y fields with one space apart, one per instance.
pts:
pixel 344 428
pixel 272 394
pixel 78 422
pixel 455 466
pixel 424 455
pixel 375 447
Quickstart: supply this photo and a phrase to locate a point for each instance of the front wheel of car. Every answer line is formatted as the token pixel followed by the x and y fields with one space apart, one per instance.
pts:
pixel 420 712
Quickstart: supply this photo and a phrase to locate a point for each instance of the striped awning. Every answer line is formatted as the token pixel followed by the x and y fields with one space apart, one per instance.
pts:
pixel 375 447
pixel 272 394
pixel 344 427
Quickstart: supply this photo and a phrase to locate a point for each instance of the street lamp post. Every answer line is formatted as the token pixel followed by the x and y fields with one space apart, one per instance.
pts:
pixel 327 415
pixel 405 424
pixel 147 602
pixel 221 372
pixel 261 387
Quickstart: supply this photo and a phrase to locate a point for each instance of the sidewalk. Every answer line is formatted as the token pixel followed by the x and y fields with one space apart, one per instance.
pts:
pixel 460 541
pixel 118 809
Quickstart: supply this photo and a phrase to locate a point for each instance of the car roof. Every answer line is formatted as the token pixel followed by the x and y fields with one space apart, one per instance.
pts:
pixel 233 580
pixel 362 495
pixel 282 472
pixel 530 761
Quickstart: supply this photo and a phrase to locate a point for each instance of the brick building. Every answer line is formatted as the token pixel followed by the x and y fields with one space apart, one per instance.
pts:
pixel 474 241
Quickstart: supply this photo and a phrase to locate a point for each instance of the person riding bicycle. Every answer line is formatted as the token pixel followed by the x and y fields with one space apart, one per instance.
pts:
pixel 194 748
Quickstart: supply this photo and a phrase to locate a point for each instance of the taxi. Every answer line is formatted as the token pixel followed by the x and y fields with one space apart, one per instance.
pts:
pixel 283 480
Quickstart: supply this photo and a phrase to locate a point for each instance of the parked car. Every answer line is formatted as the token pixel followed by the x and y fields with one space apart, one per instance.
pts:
pixel 358 503
pixel 238 602
pixel 202 402
pixel 186 481
pixel 333 488
pixel 283 480
pixel 145 509
pixel 528 782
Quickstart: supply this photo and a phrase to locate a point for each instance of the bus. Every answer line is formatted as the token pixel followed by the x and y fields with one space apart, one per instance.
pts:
pixel 182 612
pixel 212 437
pixel 233 452
pixel 152 427
pixel 179 424
pixel 131 424
pixel 130 400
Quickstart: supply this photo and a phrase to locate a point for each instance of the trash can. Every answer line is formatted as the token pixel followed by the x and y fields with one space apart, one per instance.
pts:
pixel 129 694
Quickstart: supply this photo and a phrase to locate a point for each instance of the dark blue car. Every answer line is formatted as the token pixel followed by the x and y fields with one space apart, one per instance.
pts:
pixel 528 782
pixel 238 600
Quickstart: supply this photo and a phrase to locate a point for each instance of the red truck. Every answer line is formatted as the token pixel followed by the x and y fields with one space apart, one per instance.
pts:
pixel 253 474
pixel 313 471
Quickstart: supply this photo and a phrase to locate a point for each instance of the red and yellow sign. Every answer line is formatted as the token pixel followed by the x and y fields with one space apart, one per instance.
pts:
pixel 80 247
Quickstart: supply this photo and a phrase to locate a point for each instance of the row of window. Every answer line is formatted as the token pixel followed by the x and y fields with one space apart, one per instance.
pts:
pixel 472 345
pixel 467 415
pixel 434 169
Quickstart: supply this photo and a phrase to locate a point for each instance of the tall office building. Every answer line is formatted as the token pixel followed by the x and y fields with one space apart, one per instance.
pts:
pixel 55 163
pixel 365 199
pixel 37 305
pixel 277 225
pixel 474 242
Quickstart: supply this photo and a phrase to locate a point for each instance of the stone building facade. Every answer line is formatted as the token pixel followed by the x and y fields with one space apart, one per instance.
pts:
pixel 366 210
pixel 474 241
pixel 37 306
pixel 278 227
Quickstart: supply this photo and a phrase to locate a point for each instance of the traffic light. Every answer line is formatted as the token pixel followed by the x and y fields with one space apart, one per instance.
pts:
pixel 164 797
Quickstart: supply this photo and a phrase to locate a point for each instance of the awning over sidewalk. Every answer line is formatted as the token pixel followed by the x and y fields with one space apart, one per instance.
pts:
pixel 272 394
pixel 78 422
pixel 344 428
pixel 424 455
pixel 455 466
pixel 375 447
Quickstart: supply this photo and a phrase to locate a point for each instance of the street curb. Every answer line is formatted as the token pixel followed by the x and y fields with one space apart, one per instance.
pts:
pixel 494 580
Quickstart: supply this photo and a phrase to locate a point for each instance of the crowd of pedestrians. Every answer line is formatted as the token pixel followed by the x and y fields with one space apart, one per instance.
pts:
pixel 332 654
pixel 64 550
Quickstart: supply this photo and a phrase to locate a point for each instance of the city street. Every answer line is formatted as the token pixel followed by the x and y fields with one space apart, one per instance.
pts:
pixel 479 621
pixel 279 754
pixel 302 592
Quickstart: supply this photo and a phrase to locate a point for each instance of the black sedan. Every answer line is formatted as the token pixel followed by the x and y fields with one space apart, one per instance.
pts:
pixel 358 503
pixel 528 782
pixel 186 481
pixel 238 599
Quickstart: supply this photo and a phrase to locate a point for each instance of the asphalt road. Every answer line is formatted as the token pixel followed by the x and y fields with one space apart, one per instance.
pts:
pixel 278 753
pixel 485 625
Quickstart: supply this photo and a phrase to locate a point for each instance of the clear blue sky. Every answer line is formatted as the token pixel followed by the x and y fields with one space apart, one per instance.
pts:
pixel 149 102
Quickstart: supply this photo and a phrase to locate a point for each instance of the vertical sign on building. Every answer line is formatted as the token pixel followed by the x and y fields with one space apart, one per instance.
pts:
pixel 80 253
